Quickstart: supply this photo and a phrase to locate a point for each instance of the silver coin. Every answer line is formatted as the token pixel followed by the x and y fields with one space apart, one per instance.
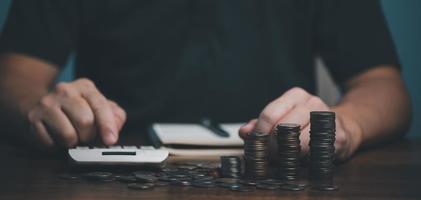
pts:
pixel 292 187
pixel 243 189
pixel 146 178
pixel 68 176
pixel 267 186
pixel 140 186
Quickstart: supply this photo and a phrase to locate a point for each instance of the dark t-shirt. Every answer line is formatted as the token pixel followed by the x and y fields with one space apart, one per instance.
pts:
pixel 180 60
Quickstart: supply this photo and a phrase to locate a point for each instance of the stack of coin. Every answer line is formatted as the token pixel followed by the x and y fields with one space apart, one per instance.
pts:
pixel 322 149
pixel 230 167
pixel 289 148
pixel 255 155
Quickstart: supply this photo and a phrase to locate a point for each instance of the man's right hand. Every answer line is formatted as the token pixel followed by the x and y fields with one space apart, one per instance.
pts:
pixel 73 113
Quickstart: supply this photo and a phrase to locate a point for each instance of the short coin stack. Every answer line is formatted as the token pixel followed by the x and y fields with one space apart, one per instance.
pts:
pixel 255 155
pixel 322 149
pixel 230 167
pixel 289 148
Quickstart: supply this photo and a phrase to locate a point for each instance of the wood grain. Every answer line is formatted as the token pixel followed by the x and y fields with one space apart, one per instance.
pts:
pixel 390 171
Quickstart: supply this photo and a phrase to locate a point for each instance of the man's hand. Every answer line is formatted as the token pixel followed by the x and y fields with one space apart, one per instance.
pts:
pixel 75 113
pixel 294 106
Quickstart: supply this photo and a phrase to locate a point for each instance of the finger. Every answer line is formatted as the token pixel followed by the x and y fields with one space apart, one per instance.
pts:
pixel 105 119
pixel 60 127
pixel 104 116
pixel 37 128
pixel 247 128
pixel 278 108
pixel 298 115
pixel 119 113
pixel 305 139
pixel 340 143
pixel 81 116
pixel 42 135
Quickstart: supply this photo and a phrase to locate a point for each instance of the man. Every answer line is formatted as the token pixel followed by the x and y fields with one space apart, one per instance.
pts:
pixel 178 61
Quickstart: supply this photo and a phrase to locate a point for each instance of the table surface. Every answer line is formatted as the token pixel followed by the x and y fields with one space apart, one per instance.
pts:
pixel 391 171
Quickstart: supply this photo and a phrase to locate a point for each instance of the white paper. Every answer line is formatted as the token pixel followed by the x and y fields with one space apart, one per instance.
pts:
pixel 194 134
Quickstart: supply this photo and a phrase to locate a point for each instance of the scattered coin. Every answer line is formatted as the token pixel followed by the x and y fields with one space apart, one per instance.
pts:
pixel 267 186
pixel 161 183
pixel 99 176
pixel 204 184
pixel 325 187
pixel 248 182
pixel 68 176
pixel 292 187
pixel 140 186
pixel 243 189
pixel 145 178
pixel 272 182
pixel 227 180
pixel 181 183
pixel 126 178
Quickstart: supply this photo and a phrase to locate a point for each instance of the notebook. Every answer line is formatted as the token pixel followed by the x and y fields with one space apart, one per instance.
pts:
pixel 196 140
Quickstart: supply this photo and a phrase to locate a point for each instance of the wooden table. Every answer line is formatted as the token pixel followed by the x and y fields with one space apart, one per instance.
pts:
pixel 387 172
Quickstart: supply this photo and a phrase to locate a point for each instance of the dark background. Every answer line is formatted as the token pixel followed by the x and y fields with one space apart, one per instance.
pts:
pixel 404 19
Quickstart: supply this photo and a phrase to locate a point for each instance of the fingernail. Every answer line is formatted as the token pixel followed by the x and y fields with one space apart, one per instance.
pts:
pixel 246 125
pixel 111 137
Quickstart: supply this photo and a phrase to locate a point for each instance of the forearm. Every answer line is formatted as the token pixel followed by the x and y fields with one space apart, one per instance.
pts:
pixel 23 81
pixel 378 104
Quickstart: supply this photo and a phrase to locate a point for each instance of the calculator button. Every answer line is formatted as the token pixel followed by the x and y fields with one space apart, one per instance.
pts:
pixel 147 147
pixel 130 147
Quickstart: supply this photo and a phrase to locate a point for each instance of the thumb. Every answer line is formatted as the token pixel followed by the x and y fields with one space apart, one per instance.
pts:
pixel 247 128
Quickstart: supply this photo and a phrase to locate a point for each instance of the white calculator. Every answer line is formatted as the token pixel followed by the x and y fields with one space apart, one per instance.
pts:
pixel 117 155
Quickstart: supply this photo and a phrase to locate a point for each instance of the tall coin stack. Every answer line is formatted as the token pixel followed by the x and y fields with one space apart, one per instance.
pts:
pixel 230 167
pixel 289 148
pixel 255 155
pixel 322 149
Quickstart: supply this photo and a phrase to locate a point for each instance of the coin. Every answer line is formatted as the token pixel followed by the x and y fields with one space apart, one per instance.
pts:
pixel 203 185
pixel 250 182
pixel 255 155
pixel 68 176
pixel 230 166
pixel 181 183
pixel 322 149
pixel 229 185
pixel 98 176
pixel 325 187
pixel 243 189
pixel 267 186
pixel 126 179
pixel 161 183
pixel 272 182
pixel 292 187
pixel 145 178
pixel 140 186
pixel 289 149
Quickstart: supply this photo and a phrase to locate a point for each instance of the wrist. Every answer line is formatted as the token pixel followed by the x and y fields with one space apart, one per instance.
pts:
pixel 350 125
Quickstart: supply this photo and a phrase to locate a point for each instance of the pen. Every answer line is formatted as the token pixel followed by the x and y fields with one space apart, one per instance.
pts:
pixel 214 127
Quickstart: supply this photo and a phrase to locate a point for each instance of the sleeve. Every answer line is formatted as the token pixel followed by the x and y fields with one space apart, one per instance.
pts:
pixel 46 29
pixel 352 37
